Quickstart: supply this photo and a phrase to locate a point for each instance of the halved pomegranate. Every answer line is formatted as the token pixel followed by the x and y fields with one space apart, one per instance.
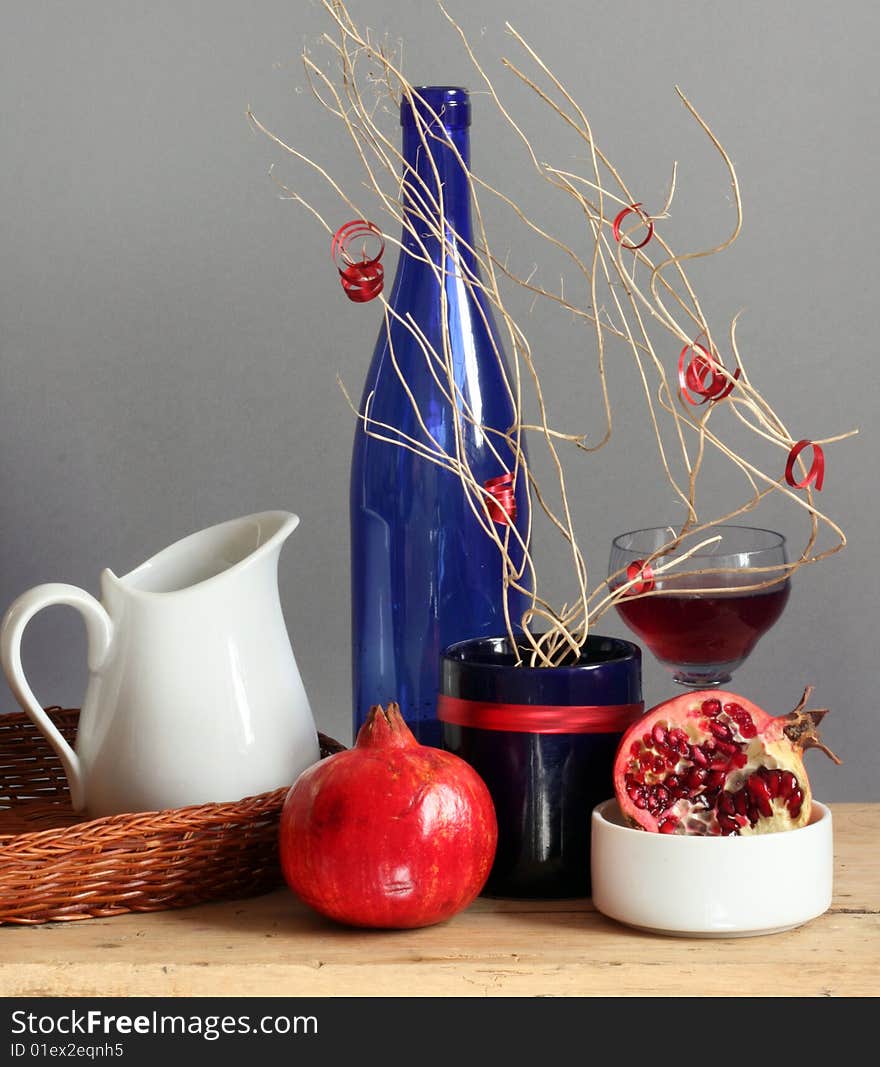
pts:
pixel 713 763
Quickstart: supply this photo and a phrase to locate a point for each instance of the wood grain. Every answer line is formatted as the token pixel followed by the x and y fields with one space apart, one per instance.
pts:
pixel 273 945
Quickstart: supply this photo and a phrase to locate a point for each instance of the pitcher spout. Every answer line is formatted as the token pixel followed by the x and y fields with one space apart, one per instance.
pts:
pixel 289 523
pixel 211 555
pixel 272 530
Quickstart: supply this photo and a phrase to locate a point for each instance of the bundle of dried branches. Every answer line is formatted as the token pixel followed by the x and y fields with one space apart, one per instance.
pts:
pixel 627 289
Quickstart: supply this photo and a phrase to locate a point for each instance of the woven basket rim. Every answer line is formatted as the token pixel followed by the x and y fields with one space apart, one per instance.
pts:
pixel 193 816
pixel 196 816
pixel 116 864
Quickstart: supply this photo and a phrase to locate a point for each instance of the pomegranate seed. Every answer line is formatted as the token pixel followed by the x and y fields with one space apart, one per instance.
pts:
pixel 760 793
pixel 746 727
pixel 740 804
pixel 774 782
pixel 668 826
pixel 635 748
pixel 721 731
pixel 663 797
pixel 640 801
pixel 711 707
pixel 647 740
pixel 714 779
pixel 695 778
pixel 683 749
pixel 677 735
pixel 788 784
pixel 728 824
pixel 743 720
pixel 795 803
pixel 725 804
pixel 727 747
pixel 718 766
pixel 757 785
pixel 659 765
pixel 673 783
pixel 740 759
pixel 659 734
pixel 699 757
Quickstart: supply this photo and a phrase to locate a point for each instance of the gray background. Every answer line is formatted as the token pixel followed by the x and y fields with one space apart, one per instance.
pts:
pixel 170 329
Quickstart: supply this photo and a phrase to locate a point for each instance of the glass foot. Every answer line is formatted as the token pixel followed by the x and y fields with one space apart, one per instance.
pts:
pixel 700 683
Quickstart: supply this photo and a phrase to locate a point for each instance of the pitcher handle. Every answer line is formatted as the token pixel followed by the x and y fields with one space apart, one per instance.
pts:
pixel 99 629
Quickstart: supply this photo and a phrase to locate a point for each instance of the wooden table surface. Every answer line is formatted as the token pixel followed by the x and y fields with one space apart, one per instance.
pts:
pixel 273 945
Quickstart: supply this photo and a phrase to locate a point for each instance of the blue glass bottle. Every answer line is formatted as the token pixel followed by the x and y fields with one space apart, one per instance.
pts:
pixel 424 575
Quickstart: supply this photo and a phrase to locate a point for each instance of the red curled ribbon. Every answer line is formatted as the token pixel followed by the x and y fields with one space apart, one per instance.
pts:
pixel 538 718
pixel 362 280
pixel 641 570
pixel 502 505
pixel 703 376
pixel 816 473
pixel 633 209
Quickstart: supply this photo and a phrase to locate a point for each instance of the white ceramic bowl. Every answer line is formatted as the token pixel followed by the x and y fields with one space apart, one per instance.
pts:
pixel 711 886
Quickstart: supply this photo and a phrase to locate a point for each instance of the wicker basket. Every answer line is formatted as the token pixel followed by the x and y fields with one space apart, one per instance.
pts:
pixel 58 866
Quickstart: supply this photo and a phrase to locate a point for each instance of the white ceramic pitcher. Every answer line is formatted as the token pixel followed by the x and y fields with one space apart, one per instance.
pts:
pixel 194 694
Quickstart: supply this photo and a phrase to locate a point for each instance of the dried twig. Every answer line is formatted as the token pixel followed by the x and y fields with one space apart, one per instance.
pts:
pixel 628 294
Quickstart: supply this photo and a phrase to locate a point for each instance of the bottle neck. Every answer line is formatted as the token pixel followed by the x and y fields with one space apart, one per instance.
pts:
pixel 436 176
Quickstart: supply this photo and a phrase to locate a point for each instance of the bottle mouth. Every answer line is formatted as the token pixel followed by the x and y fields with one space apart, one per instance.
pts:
pixel 450 104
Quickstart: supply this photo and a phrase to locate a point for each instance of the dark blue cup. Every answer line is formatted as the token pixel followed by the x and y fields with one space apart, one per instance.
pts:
pixel 543 739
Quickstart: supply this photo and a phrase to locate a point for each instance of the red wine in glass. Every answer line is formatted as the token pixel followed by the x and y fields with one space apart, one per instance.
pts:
pixel 705 636
pixel 699 633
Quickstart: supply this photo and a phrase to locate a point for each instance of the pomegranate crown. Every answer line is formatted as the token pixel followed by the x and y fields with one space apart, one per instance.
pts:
pixel 801 727
pixel 385 727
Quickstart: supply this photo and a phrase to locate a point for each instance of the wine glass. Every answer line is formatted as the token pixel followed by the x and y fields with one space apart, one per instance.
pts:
pixel 703 616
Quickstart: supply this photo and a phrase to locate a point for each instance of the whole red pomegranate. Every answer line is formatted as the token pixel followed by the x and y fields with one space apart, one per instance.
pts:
pixel 711 762
pixel 390 833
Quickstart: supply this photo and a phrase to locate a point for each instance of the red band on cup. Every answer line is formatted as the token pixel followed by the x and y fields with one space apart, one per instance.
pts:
pixel 537 718
pixel 816 473
pixel 502 505
pixel 641 570
pixel 633 209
